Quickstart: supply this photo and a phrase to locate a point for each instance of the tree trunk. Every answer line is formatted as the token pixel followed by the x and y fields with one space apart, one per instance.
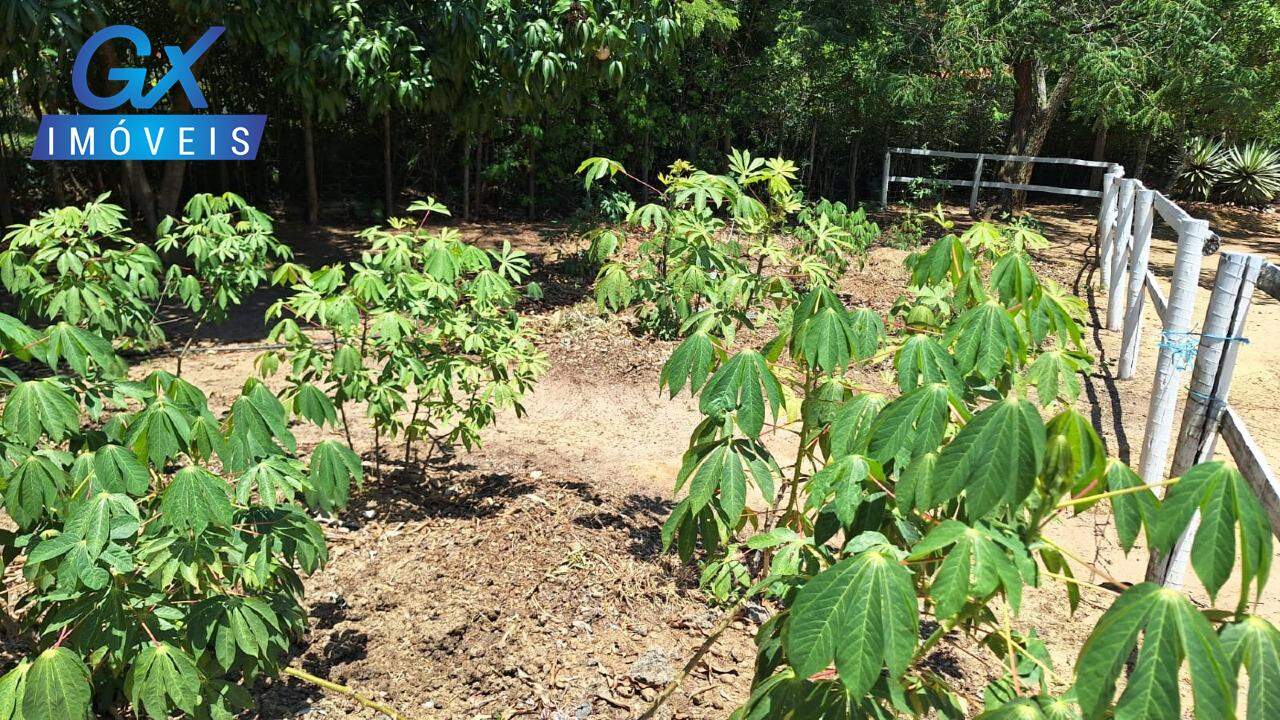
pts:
pixel 6 193
pixel 51 166
pixel 808 173
pixel 142 195
pixel 1034 110
pixel 532 182
pixel 309 161
pixel 466 176
pixel 853 171
pixel 1140 162
pixel 1099 151
pixel 171 187
pixel 387 184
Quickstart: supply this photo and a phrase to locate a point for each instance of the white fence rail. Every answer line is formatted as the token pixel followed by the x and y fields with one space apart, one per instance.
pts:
pixel 976 182
pixel 1125 222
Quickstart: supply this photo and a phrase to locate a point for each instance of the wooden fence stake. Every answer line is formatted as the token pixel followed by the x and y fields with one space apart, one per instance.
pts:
pixel 884 183
pixel 1121 236
pixel 1220 340
pixel 1143 217
pixel 1168 380
pixel 1106 218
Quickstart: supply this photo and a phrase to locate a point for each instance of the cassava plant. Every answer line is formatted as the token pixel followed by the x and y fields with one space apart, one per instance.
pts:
pixel 910 515
pixel 78 265
pixel 161 547
pixel 421 331
pixel 724 247
pixel 230 250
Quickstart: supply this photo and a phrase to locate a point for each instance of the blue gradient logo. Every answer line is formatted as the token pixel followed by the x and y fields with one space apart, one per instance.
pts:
pixel 141 136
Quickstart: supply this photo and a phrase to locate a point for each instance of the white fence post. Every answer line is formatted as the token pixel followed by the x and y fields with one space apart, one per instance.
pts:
pixel 884 185
pixel 1120 239
pixel 1165 387
pixel 1220 340
pixel 1106 218
pixel 977 186
pixel 1143 218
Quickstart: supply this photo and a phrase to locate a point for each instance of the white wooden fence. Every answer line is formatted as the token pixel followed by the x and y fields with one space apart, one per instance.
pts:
pixel 1126 219
pixel 977 183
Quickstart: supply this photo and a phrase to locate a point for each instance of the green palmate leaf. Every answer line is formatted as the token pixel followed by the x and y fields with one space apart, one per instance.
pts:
pixel 743 385
pixel 56 687
pixel 79 349
pixel 915 487
pixel 33 489
pixel 259 426
pixel 721 470
pixel 921 361
pixel 38 407
pixel 822 334
pixel 994 459
pixel 860 614
pixel 986 342
pixel 690 363
pixel 1173 630
pixel 16 337
pixel 163 679
pixel 117 470
pixel 1254 644
pixel 975 566
pixel 1013 279
pixel 1038 708
pixel 825 340
pixel 841 481
pixel 1074 457
pixel 1055 375
pixel 13 685
pixel 946 258
pixel 1133 511
pixel 314 404
pixel 868 332
pixel 276 479
pixel 1226 503
pixel 911 425
pixel 852 425
pixel 334 467
pixel 159 433
pixel 195 500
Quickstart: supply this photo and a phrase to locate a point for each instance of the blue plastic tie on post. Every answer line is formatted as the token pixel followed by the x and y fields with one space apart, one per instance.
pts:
pixel 1181 345
pixel 1184 348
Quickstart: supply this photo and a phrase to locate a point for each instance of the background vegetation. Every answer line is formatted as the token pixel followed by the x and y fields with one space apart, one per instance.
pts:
pixel 491 104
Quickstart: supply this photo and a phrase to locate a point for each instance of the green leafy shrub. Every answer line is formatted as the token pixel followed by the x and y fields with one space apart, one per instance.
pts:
pixel 161 547
pixel 78 265
pixel 721 248
pixel 936 501
pixel 421 331
pixel 230 250
pixel 1200 167
pixel 1251 173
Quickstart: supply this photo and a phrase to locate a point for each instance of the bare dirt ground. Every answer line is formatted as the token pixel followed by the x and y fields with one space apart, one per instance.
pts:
pixel 526 578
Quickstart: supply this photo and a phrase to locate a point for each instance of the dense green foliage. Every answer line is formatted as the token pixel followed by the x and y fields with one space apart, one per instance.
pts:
pixel 1248 173
pixel 938 502
pixel 491 104
pixel 162 548
pixel 78 265
pixel 718 247
pixel 421 331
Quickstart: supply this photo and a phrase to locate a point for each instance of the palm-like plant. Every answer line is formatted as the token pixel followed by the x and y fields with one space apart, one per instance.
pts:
pixel 1202 167
pixel 1251 173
